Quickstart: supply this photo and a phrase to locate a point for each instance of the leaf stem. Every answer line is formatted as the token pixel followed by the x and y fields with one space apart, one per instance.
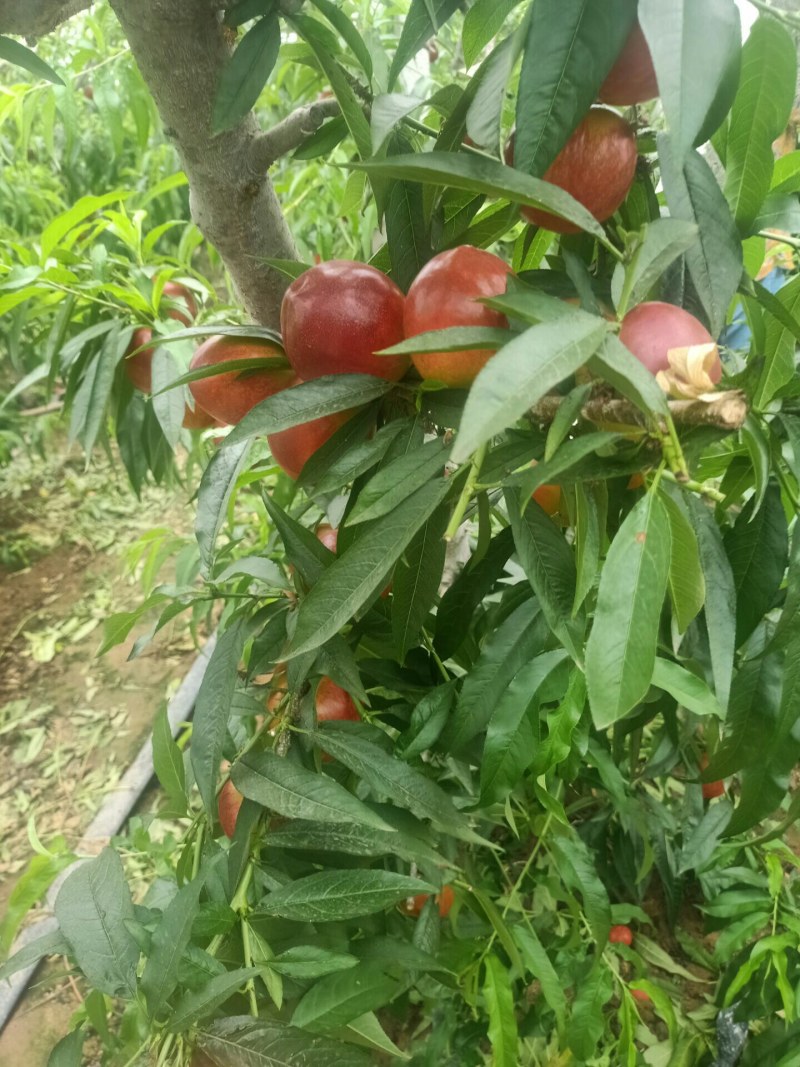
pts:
pixel 695 487
pixel 466 493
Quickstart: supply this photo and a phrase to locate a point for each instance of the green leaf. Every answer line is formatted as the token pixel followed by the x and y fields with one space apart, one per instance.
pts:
pixel 168 762
pixel 241 1041
pixel 337 999
pixel 69 1050
pixel 691 42
pixel 311 961
pixel 303 549
pixel 194 1006
pixel 482 22
pixel 62 224
pixel 341 22
pixel 459 604
pixel 766 775
pixel 170 939
pixel 561 725
pixel 211 711
pixel 662 241
pixel 245 73
pixel 479 174
pixel 486 93
pixel 406 232
pixel 92 907
pixel 521 373
pixel 284 787
pixel 587 541
pixel 570 48
pixel 621 650
pixel 415 582
pixel 424 19
pixel 216 488
pixel 353 840
pixel 587 1021
pixel 19 56
pixel 361 570
pixel 427 720
pixel 506 650
pixel 577 867
pixel 714 261
pixel 752 714
pixel 690 691
pixel 758 550
pixel 781 342
pixel 168 404
pixel 307 401
pixel 404 785
pixel 567 414
pixel 397 480
pixel 333 896
pixel 549 565
pixel 622 370
pixel 89 408
pixel 499 999
pixel 567 456
pixel 370 1032
pixel 687 587
pixel 510 735
pixel 29 889
pixel 759 115
pixel 313 33
pixel 720 604
pixel 49 944
pixel 539 966
pixel 450 339
pixel 358 459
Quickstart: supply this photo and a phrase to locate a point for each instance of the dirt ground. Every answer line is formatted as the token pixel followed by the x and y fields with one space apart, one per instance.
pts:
pixel 70 721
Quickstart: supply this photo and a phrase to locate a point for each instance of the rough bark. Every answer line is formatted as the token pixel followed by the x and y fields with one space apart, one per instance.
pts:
pixel 727 411
pixel 34 18
pixel 181 47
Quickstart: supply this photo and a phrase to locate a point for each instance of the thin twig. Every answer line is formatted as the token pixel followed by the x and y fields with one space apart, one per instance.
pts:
pixel 728 411
pixel 290 133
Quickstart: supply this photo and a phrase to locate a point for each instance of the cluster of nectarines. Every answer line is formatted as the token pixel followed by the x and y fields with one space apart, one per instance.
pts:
pixel 337 315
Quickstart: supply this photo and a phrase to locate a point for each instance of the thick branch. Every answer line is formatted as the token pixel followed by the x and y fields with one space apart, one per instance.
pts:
pixel 35 18
pixel 289 133
pixel 728 411
pixel 181 47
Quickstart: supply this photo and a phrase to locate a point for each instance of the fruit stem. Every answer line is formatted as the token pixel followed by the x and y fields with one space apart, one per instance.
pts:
pixel 466 493
pixel 696 487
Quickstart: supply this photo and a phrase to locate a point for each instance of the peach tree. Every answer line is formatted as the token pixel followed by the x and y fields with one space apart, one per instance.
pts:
pixel 437 756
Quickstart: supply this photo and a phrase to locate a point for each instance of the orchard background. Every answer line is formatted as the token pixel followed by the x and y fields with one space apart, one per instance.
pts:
pixel 465 338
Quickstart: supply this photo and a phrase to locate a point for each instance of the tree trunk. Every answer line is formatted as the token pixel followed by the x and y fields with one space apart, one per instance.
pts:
pixel 181 47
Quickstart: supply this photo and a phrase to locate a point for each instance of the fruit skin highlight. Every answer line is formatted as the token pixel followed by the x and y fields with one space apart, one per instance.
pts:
pixel 293 448
pixel 653 328
pixel 228 397
pixel 228 804
pixel 336 315
pixel 632 79
pixel 596 166
pixel 446 293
